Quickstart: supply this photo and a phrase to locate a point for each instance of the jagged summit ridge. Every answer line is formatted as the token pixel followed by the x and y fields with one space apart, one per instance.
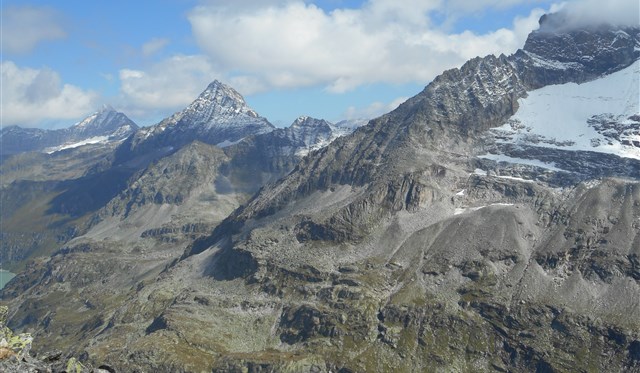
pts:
pixel 310 134
pixel 581 112
pixel 306 121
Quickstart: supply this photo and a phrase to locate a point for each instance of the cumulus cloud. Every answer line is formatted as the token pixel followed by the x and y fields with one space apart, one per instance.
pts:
pixel 169 84
pixel 258 46
pixel 373 110
pixel 296 44
pixel 616 12
pixel 474 6
pixel 24 27
pixel 31 95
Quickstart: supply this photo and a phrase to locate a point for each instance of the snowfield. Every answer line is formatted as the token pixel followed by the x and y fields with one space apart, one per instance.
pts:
pixel 92 140
pixel 602 115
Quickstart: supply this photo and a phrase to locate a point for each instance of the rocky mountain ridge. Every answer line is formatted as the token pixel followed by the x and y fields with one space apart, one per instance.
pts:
pixel 103 125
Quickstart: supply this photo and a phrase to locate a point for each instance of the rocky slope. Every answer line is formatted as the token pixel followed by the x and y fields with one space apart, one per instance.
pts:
pixel 102 126
pixel 401 247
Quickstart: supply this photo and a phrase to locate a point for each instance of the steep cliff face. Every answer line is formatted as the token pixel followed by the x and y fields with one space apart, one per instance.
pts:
pixel 426 240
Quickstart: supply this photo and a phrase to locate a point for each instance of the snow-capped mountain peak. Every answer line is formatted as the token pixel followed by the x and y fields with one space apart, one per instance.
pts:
pixel 581 112
pixel 219 115
pixel 218 106
pixel 221 100
pixel 106 117
pixel 103 126
pixel 587 50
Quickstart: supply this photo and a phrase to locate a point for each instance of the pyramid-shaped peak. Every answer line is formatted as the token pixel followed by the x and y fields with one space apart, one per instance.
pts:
pixel 216 101
pixel 223 94
pixel 218 106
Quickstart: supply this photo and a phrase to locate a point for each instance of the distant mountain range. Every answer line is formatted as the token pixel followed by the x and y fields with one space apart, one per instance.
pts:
pixel 218 116
pixel 108 169
pixel 102 126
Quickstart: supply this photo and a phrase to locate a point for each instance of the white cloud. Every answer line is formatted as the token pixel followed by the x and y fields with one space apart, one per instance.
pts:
pixel 32 95
pixel 475 6
pixel 24 27
pixel 294 44
pixel 374 110
pixel 169 84
pixel 154 46
pixel 617 12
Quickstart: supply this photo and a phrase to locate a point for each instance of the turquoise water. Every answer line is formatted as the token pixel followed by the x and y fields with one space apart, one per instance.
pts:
pixel 5 276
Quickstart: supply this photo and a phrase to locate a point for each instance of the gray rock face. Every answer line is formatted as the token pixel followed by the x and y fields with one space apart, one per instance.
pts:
pixel 107 123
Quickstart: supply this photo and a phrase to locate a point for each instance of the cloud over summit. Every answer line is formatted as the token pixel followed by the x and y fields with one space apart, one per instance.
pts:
pixel 614 12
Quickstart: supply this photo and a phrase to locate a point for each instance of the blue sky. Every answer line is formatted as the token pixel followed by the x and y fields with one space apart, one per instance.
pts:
pixel 331 59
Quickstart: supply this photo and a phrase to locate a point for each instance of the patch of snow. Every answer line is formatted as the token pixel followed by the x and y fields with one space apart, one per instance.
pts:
pixel 92 140
pixel 459 210
pixel 557 116
pixel 461 193
pixel 480 172
pixel 226 143
pixel 86 121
